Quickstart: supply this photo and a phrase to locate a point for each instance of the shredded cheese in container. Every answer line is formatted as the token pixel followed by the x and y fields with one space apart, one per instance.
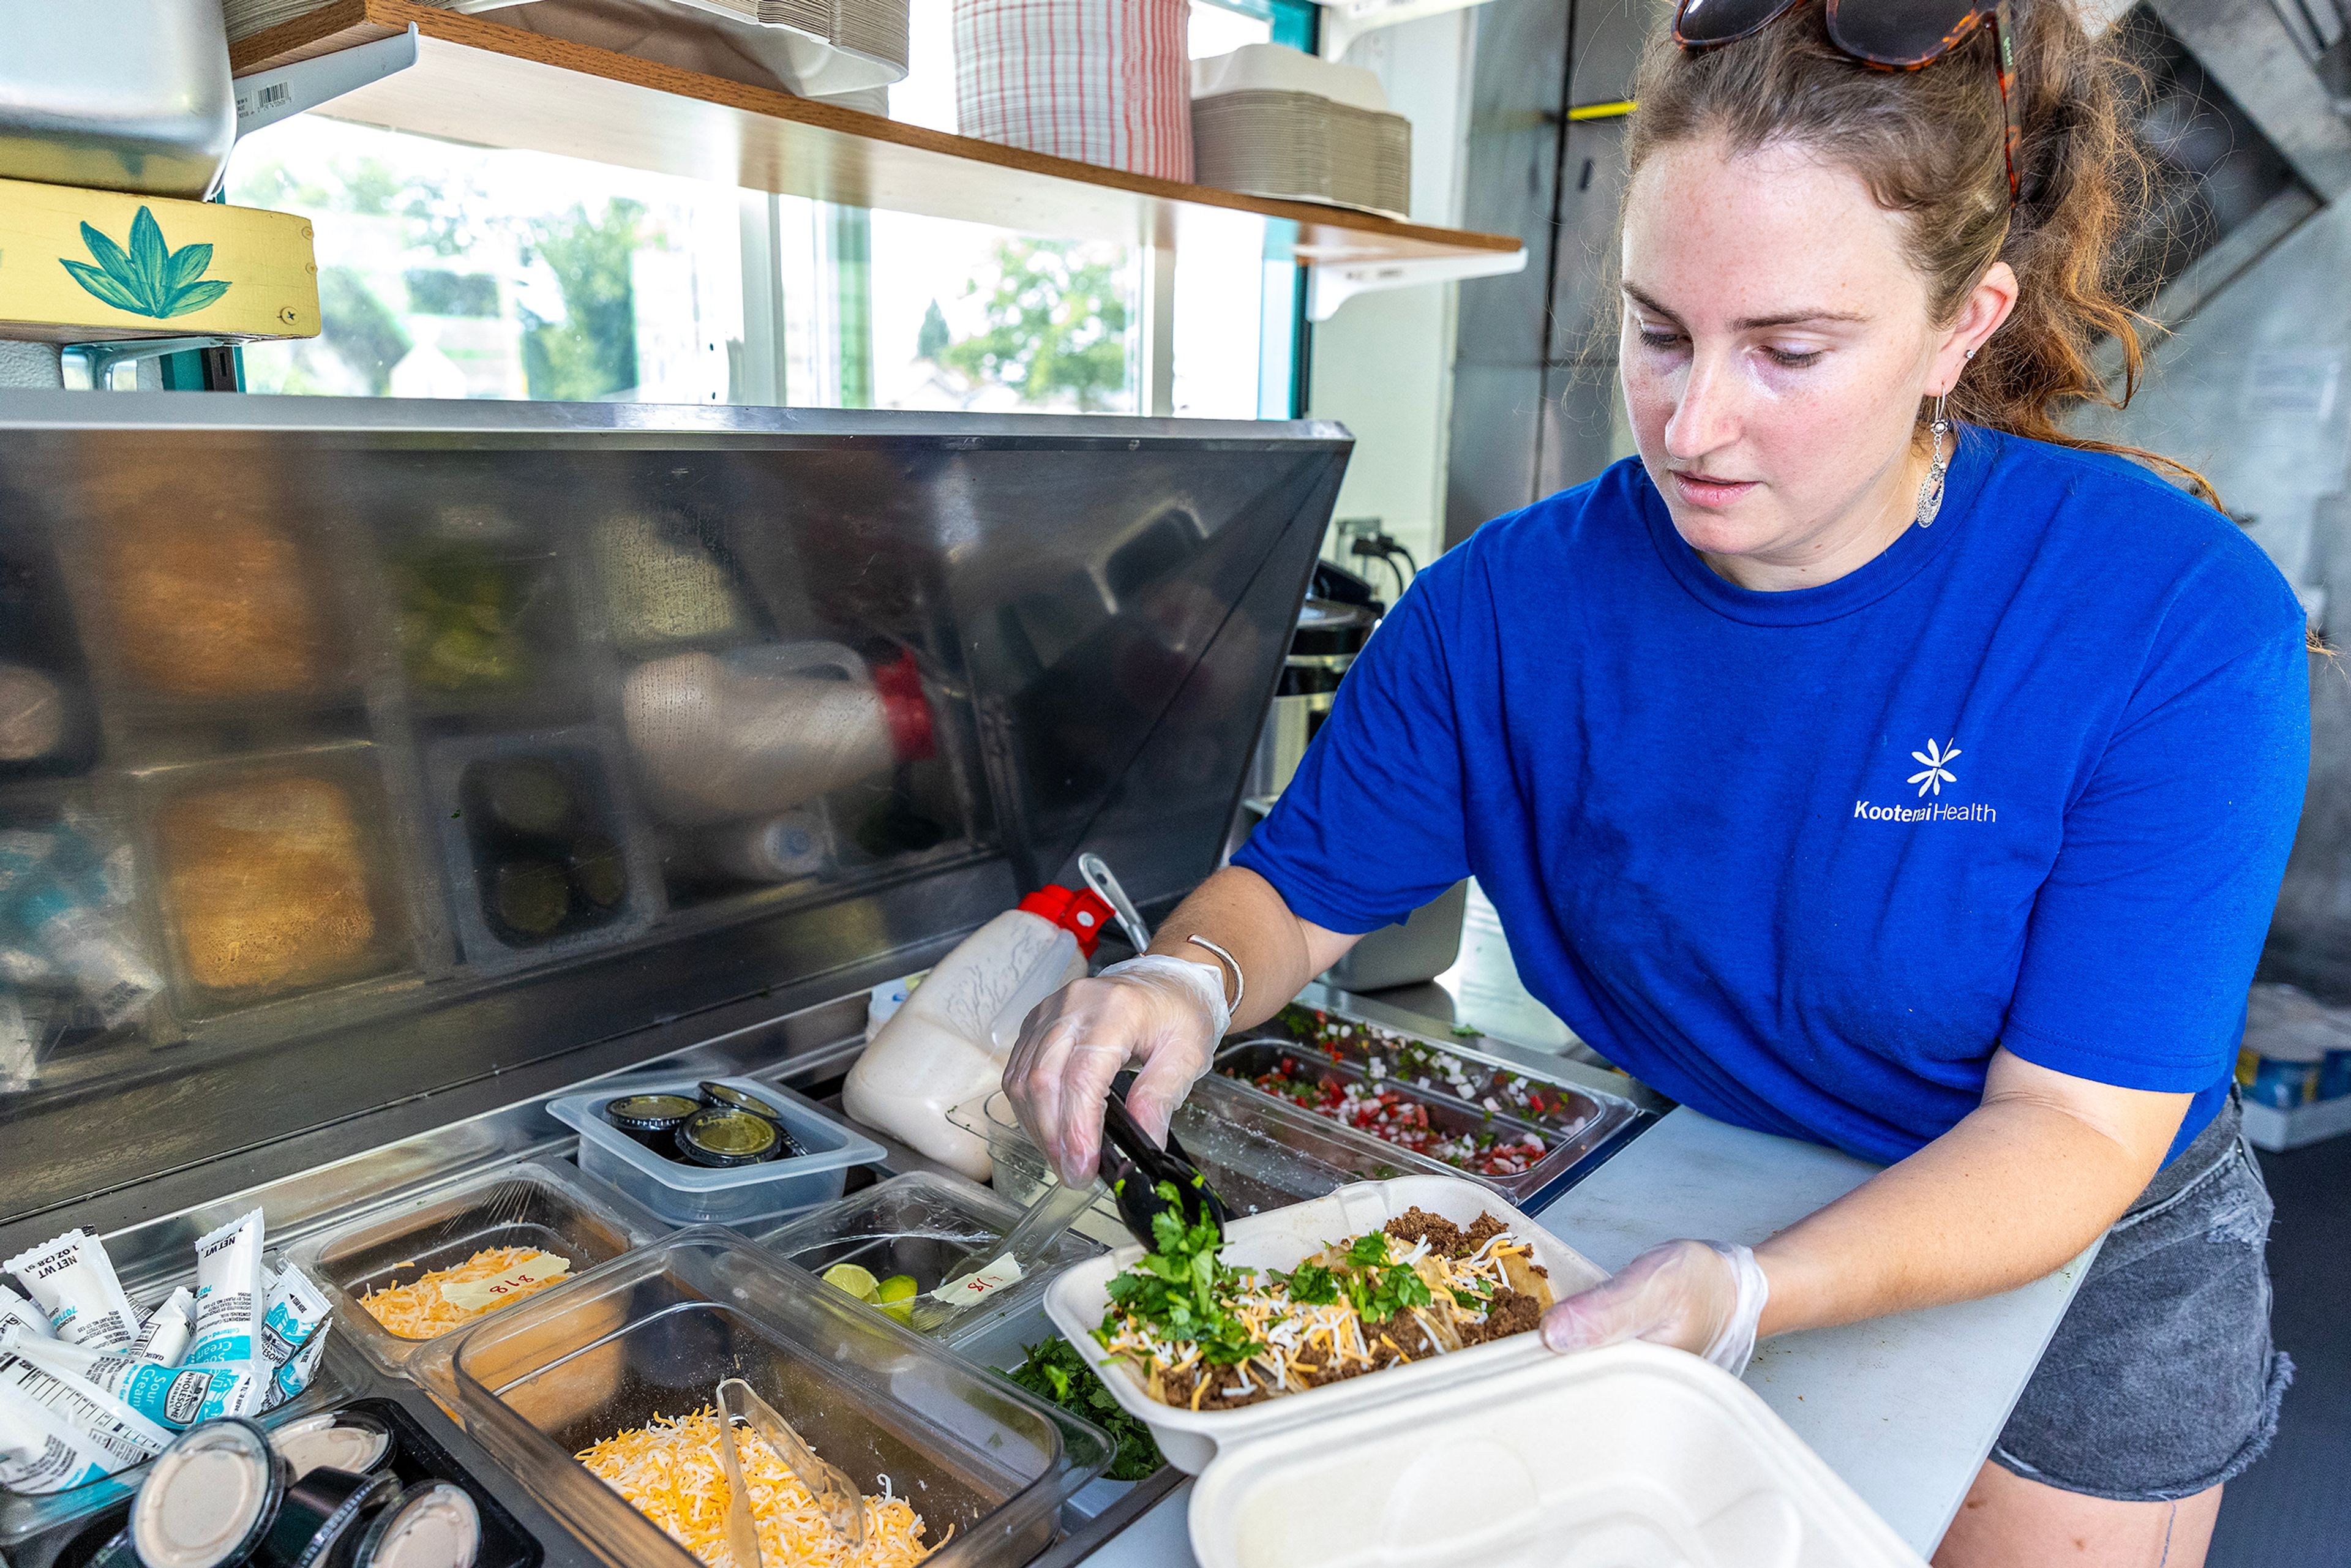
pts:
pixel 421 1308
pixel 669 1471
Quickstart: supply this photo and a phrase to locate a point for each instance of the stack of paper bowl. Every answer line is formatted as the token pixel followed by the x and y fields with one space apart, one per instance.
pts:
pixel 1272 122
pixel 1100 81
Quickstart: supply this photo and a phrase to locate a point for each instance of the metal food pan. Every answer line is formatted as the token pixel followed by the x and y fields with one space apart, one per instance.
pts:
pixel 1451 1084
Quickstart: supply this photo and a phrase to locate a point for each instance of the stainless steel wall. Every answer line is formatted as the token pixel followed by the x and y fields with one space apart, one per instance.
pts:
pixel 360 753
pixel 1534 391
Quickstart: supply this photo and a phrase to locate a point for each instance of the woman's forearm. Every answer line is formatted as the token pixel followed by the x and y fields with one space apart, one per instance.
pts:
pixel 2023 1183
pixel 1277 953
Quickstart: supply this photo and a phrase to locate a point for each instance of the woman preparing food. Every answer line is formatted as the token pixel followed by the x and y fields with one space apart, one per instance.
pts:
pixel 1868 762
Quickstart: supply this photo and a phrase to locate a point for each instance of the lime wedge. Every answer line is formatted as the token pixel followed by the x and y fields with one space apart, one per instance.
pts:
pixel 902 1310
pixel 897 1287
pixel 856 1280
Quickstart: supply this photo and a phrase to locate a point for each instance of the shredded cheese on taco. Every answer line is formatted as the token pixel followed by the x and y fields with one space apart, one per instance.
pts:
pixel 669 1471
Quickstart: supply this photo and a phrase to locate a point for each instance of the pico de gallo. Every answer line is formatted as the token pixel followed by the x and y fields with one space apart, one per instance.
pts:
pixel 1382 1084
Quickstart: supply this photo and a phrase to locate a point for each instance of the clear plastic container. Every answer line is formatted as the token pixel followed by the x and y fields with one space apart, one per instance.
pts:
pixel 651 1334
pixel 587 855
pixel 685 1194
pixel 1257 1153
pixel 923 1224
pixel 1282 1239
pixel 523 1205
pixel 24 1517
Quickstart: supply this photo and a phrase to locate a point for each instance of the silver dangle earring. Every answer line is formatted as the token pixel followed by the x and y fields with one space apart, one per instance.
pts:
pixel 1931 493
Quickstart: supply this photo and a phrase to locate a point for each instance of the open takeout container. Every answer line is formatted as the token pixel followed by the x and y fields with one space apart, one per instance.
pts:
pixel 922 1225
pixel 1634 1454
pixel 1283 1238
pixel 651 1334
pixel 526 1204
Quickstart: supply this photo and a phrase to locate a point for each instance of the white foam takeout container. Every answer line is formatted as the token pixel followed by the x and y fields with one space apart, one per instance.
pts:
pixel 1632 1457
pixel 1282 1238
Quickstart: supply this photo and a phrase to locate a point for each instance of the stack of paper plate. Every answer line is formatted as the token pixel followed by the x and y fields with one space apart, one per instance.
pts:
pixel 1272 122
pixel 1101 81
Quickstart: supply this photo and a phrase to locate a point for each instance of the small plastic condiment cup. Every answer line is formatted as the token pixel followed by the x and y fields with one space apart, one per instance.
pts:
pixel 653 1120
pixel 211 1497
pixel 434 1525
pixel 723 1138
pixel 346 1441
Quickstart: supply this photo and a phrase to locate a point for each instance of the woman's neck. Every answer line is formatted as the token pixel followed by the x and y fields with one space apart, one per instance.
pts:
pixel 1845 543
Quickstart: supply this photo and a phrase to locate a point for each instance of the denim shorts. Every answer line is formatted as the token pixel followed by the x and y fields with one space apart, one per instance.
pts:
pixel 2161 1381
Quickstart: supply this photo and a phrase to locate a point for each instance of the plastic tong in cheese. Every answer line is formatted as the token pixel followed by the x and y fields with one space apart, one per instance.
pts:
pixel 843 1505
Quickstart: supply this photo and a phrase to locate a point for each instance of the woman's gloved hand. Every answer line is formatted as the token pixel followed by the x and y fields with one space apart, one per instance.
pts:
pixel 1161 1015
pixel 1704 1297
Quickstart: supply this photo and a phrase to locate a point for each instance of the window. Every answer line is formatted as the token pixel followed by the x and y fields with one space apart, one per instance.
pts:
pixel 450 271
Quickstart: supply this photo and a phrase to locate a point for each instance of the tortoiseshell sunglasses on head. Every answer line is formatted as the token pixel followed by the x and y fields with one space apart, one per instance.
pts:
pixel 1887 34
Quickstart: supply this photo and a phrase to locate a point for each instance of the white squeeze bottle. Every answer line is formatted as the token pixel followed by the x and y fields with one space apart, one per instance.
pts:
pixel 946 1044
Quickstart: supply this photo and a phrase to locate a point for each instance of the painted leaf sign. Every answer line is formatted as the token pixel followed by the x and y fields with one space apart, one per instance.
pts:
pixel 150 278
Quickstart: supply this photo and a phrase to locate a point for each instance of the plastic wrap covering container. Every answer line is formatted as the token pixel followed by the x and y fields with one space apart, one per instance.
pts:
pixel 1282 1239
pixel 23 1518
pixel 922 1226
pixel 1258 1152
pixel 1473 1102
pixel 1633 1454
pixel 652 1333
pixel 523 1205
pixel 686 1194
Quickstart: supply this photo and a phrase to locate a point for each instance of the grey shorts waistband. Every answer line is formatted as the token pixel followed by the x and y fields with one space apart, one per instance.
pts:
pixel 2208 1149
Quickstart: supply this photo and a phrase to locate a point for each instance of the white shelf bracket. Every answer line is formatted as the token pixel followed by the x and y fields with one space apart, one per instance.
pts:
pixel 1330 284
pixel 264 98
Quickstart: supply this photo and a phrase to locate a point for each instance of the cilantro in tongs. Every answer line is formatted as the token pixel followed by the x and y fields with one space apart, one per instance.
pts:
pixel 1179 1289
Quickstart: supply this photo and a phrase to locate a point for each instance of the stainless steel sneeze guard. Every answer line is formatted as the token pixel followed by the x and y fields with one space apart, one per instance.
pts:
pixel 374 765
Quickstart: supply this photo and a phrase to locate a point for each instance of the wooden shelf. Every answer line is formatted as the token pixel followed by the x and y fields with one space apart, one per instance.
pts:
pixel 477 81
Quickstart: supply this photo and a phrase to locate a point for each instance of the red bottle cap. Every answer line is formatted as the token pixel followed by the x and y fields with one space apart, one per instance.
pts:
pixel 1076 911
pixel 906 710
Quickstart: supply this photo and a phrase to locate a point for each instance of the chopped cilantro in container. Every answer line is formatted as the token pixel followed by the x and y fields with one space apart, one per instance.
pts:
pixel 1055 1371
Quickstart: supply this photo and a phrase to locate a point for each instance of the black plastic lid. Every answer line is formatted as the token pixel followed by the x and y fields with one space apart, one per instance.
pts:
pixel 651 1112
pixel 726 1136
pixel 716 1094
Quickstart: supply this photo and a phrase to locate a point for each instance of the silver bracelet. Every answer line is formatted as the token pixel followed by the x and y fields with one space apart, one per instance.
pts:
pixel 1241 983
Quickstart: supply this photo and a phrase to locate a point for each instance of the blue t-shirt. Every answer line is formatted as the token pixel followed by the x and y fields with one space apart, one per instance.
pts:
pixel 1802 860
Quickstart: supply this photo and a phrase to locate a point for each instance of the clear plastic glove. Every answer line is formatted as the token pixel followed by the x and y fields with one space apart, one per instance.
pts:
pixel 1161 1015
pixel 1704 1297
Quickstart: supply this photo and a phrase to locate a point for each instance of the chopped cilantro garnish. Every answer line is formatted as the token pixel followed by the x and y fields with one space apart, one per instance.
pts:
pixel 1181 1290
pixel 1372 1248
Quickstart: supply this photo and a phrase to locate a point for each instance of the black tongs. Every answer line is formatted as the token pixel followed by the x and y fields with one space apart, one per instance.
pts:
pixel 1135 1168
